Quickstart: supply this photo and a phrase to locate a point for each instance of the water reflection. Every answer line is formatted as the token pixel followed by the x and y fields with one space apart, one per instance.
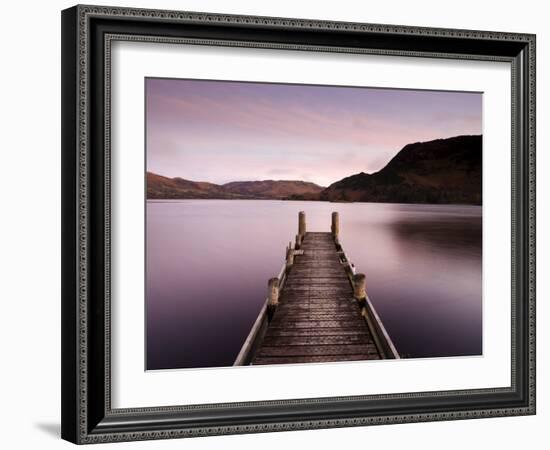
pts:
pixel 208 262
pixel 456 234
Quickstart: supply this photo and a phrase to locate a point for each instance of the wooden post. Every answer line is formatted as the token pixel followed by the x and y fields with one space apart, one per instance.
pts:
pixel 288 249
pixel 349 271
pixel 272 297
pixel 335 226
pixel 273 291
pixel 298 242
pixel 289 259
pixel 301 224
pixel 359 286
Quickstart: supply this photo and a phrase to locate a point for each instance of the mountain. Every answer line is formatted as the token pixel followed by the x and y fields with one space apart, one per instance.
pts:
pixel 274 189
pixel 160 187
pixel 439 171
pixel 163 187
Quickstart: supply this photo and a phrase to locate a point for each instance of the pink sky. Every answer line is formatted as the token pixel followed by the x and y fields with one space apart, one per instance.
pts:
pixel 220 131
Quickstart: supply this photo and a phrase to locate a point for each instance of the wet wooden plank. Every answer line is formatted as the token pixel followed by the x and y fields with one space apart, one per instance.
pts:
pixel 317 340
pixel 314 283
pixel 351 331
pixel 300 317
pixel 324 276
pixel 323 309
pixel 332 286
pixel 318 323
pixel 310 360
pixel 315 350
pixel 347 315
pixel 320 289
pixel 319 299
pixel 317 303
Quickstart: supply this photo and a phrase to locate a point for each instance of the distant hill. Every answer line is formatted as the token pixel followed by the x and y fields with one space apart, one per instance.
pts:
pixel 439 171
pixel 160 187
pixel 274 189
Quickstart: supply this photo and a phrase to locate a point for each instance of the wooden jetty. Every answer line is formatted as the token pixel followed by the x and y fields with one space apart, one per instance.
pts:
pixel 317 308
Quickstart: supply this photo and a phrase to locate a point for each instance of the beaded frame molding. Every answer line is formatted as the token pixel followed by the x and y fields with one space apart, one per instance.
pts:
pixel 87 35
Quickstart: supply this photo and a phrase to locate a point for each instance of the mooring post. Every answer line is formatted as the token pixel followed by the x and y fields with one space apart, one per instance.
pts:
pixel 359 286
pixel 348 269
pixel 335 226
pixel 289 259
pixel 301 225
pixel 272 296
pixel 288 249
pixel 298 242
pixel 337 243
pixel 273 291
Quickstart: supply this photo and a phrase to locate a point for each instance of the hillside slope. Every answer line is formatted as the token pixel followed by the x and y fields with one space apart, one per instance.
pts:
pixel 439 171
pixel 160 187
pixel 274 189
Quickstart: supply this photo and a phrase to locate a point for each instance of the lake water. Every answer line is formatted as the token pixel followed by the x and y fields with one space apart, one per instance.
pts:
pixel 208 262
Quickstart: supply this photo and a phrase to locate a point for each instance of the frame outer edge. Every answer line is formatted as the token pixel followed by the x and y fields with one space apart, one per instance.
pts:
pixel 297 23
pixel 75 209
pixel 69 313
pixel 532 143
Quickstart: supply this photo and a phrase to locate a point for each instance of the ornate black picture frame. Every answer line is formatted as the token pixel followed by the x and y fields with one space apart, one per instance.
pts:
pixel 87 34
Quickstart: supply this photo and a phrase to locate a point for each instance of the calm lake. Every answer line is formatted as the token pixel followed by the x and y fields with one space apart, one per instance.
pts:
pixel 208 262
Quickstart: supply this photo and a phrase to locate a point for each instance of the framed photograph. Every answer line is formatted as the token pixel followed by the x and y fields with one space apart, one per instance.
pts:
pixel 278 224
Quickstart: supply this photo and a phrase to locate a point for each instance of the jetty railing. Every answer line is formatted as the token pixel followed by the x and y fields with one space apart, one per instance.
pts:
pixel 260 324
pixel 380 335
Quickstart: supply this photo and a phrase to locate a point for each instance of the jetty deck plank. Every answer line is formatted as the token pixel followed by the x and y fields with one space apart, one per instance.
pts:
pixel 317 319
